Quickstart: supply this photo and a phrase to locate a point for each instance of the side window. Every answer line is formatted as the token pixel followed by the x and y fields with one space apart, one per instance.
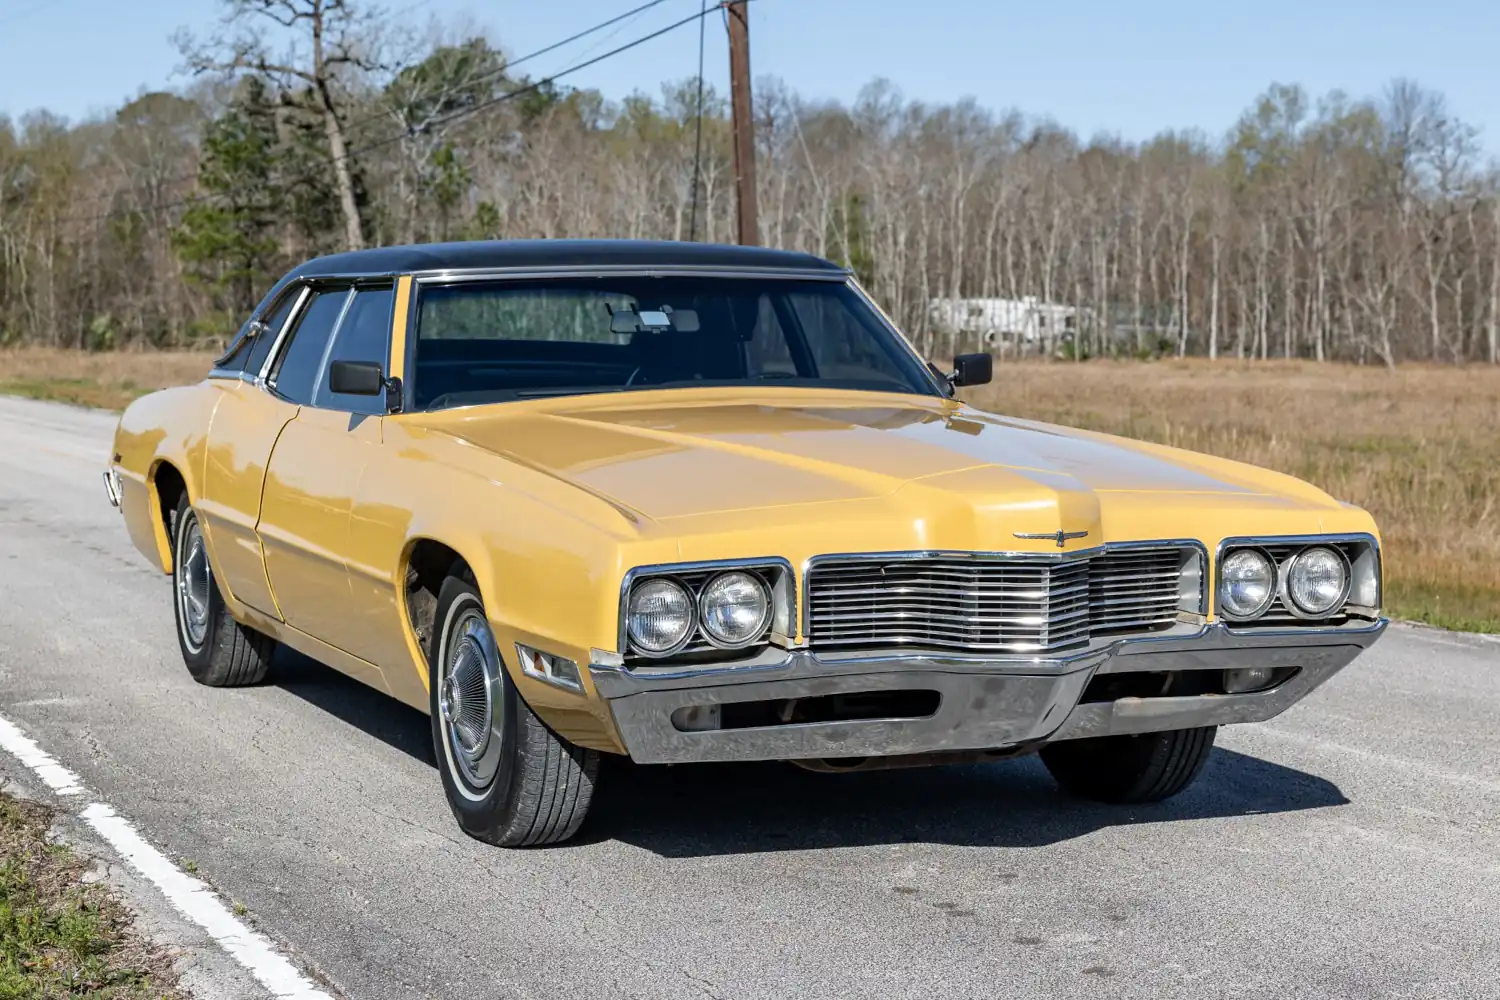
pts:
pixel 275 320
pixel 364 335
pixel 296 369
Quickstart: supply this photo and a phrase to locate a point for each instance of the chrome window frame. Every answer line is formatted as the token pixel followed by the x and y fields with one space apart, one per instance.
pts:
pixel 303 289
pixel 288 334
pixel 357 286
pixel 1362 611
pixel 783 602
pixel 299 292
pixel 1194 544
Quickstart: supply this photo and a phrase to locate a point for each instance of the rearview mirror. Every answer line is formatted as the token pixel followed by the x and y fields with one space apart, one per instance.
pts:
pixel 972 369
pixel 356 378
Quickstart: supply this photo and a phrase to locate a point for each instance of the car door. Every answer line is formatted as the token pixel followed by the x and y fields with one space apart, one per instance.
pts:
pixel 318 461
pixel 241 433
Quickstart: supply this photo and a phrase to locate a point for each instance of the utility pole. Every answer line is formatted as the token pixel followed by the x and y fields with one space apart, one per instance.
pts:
pixel 742 113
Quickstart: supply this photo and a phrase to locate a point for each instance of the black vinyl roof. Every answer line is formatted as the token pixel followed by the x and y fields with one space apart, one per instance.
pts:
pixel 481 254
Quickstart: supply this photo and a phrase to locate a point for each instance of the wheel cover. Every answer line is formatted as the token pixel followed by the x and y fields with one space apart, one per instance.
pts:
pixel 467 693
pixel 194 583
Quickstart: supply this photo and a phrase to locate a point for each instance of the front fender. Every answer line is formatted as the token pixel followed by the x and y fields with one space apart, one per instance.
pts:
pixel 166 429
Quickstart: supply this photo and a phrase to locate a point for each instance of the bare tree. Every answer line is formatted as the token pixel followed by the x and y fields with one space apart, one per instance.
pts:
pixel 321 43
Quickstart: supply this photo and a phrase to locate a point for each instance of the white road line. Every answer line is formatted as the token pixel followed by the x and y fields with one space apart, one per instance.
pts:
pixel 191 896
pixel 24 749
pixel 200 905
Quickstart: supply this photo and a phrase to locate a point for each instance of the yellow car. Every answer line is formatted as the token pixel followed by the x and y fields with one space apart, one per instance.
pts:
pixel 703 503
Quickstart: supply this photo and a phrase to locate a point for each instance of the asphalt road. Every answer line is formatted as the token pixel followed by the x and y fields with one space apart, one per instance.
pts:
pixel 1349 848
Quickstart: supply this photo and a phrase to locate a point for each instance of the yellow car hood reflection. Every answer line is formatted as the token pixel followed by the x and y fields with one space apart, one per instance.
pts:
pixel 690 453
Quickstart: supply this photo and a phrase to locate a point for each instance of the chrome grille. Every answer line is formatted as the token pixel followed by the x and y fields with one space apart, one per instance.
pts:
pixel 995 604
pixel 1134 590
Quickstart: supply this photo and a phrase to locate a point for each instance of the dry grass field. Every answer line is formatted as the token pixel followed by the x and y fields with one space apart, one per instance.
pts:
pixel 108 379
pixel 1419 447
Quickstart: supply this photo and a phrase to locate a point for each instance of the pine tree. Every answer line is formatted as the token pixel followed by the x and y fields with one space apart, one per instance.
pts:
pixel 228 238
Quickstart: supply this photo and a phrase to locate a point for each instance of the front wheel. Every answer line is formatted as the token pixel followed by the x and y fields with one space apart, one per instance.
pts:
pixel 1123 769
pixel 218 651
pixel 510 780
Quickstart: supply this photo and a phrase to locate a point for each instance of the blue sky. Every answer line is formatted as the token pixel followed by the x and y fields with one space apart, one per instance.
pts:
pixel 1131 69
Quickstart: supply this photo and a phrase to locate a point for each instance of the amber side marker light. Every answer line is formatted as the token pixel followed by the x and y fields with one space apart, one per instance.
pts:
pixel 554 670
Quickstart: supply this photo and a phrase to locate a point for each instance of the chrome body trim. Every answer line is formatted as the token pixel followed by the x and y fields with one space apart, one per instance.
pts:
pixel 112 486
pixel 1001 556
pixel 458 275
pixel 939 382
pixel 986 702
pixel 784 595
pixel 1369 612
pixel 1062 538
pixel 303 294
pixel 231 375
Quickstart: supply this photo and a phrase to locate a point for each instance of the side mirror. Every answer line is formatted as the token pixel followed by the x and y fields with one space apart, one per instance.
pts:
pixel 356 378
pixel 972 369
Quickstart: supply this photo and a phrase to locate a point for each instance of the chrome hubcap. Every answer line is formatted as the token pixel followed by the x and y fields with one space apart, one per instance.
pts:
pixel 194 578
pixel 466 699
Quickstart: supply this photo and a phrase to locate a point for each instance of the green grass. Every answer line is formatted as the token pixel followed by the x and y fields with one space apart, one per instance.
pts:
pixel 1450 606
pixel 61 937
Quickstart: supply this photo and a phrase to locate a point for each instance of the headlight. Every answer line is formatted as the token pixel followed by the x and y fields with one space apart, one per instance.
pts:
pixel 660 616
pixel 1317 581
pixel 735 607
pixel 1247 583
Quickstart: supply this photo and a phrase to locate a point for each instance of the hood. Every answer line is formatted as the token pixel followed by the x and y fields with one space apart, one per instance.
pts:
pixel 693 452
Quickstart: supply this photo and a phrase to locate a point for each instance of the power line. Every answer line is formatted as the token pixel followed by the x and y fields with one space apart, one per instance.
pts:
pixel 540 84
pixel 437 122
pixel 354 126
pixel 508 66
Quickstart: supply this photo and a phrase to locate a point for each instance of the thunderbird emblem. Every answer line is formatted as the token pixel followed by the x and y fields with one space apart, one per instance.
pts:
pixel 1061 537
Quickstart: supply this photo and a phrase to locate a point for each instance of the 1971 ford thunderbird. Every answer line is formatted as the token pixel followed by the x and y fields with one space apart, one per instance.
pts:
pixel 701 503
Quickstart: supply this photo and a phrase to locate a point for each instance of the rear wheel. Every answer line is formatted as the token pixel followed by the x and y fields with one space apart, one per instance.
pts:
pixel 510 780
pixel 218 651
pixel 1144 768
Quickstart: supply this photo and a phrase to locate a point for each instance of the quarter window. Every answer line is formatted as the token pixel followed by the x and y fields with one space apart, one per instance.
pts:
pixel 260 347
pixel 296 370
pixel 363 335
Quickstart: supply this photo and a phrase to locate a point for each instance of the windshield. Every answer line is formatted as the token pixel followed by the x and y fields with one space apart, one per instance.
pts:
pixel 483 342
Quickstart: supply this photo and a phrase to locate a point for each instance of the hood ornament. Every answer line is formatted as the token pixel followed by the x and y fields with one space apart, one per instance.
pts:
pixel 1061 537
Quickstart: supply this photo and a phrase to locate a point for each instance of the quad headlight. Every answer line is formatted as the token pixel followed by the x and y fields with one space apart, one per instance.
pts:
pixel 699 607
pixel 660 616
pixel 1291 580
pixel 1317 580
pixel 1247 584
pixel 734 608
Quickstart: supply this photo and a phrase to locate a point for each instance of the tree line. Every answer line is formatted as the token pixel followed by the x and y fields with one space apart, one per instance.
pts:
pixel 1333 228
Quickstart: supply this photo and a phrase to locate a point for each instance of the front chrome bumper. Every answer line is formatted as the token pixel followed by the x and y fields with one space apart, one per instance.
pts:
pixel 112 486
pixel 985 703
